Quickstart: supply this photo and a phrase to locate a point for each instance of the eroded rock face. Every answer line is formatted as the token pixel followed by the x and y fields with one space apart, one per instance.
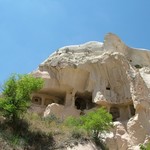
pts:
pixel 81 77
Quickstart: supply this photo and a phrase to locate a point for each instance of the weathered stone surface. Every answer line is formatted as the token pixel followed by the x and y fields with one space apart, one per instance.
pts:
pixel 87 146
pixel 79 78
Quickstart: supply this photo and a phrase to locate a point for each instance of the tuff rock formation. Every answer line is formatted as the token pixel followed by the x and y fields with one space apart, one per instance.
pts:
pixel 79 78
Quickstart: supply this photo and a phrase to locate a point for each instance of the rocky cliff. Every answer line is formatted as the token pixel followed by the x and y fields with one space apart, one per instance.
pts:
pixel 79 78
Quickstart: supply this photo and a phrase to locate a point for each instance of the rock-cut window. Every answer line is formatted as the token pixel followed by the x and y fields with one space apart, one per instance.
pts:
pixel 37 100
pixel 108 87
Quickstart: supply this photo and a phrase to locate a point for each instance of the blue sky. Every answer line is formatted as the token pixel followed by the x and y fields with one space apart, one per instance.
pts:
pixel 30 30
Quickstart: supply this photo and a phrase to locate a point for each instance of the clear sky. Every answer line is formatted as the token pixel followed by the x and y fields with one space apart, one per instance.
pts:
pixel 30 30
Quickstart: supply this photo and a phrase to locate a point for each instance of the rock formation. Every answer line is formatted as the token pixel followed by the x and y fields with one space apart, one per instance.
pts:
pixel 79 78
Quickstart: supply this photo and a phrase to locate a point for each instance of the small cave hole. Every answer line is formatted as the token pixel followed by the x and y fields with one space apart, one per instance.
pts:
pixel 37 100
pixel 107 88
pixel 115 112
pixel 137 66
pixel 132 110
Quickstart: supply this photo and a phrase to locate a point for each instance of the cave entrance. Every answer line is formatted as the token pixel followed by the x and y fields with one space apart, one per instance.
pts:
pixel 84 100
pixel 132 110
pixel 80 103
pixel 53 99
pixel 115 112
pixel 48 101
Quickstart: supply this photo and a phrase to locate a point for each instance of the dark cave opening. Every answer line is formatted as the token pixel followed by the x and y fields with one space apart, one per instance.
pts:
pixel 37 100
pixel 132 110
pixel 84 101
pixel 115 112
pixel 107 88
pixel 80 104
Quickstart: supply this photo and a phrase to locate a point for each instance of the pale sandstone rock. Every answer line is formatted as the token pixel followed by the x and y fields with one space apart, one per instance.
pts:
pixel 60 112
pixel 54 109
pixel 79 78
pixel 87 146
pixel 145 74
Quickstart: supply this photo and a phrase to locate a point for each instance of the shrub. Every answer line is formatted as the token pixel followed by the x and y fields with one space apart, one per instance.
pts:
pixel 147 147
pixel 52 118
pixel 95 122
pixel 77 134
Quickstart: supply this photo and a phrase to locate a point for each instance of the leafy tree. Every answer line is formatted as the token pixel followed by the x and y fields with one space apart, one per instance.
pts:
pixel 95 122
pixel 16 92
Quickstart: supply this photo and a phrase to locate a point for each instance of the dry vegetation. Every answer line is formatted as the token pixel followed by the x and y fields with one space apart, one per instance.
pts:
pixel 36 133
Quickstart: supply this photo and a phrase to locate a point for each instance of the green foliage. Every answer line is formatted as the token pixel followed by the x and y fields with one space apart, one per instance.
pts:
pixel 78 134
pixel 73 122
pixel 147 147
pixel 95 122
pixel 16 92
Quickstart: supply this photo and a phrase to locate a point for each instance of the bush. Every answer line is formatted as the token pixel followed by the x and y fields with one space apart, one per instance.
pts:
pixel 78 134
pixel 52 118
pixel 95 122
pixel 147 147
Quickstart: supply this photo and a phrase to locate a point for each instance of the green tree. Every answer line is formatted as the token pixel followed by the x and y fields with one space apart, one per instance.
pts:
pixel 95 122
pixel 16 93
